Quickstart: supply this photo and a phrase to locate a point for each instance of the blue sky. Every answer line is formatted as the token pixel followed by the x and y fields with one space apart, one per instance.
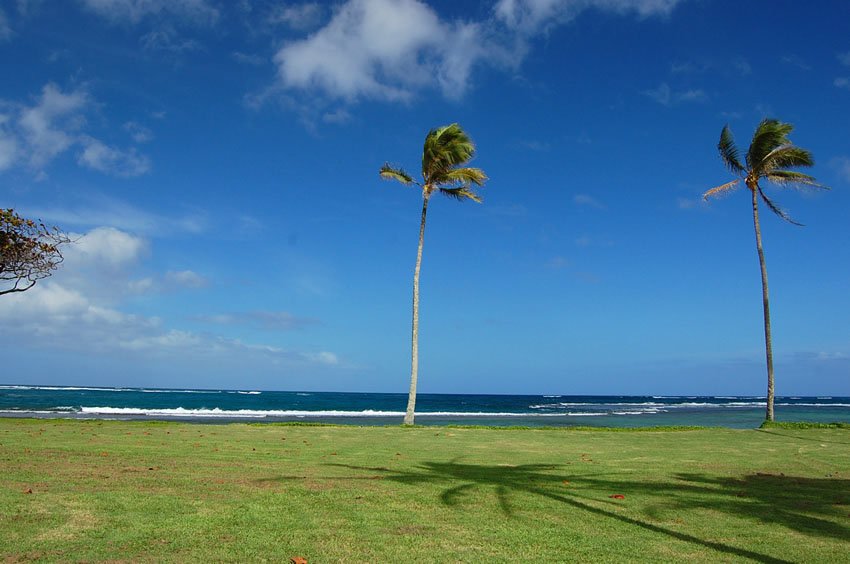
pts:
pixel 218 162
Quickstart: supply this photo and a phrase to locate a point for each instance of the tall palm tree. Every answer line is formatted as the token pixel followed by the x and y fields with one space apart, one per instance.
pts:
pixel 446 150
pixel 770 154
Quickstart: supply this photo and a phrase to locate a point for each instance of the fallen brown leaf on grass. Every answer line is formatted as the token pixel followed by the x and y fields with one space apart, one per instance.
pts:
pixel 298 560
pixel 617 496
pixel 28 491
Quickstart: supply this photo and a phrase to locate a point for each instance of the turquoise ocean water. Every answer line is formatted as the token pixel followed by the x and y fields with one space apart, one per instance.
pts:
pixel 218 406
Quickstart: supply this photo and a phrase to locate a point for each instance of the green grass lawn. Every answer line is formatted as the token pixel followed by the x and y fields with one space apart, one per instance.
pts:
pixel 143 491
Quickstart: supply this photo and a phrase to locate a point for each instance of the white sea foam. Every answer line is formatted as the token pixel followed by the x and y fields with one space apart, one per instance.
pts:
pixel 66 388
pixel 259 414
pixel 159 391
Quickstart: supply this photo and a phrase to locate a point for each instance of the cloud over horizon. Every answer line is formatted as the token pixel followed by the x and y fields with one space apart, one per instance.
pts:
pixel 86 310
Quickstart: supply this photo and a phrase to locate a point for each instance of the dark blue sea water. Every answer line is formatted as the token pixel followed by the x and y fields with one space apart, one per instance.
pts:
pixel 431 409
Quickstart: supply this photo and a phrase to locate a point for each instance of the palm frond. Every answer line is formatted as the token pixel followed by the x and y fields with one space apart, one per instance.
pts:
pixel 394 173
pixel 776 209
pixel 719 189
pixel 769 135
pixel 462 193
pixel 786 156
pixel 445 147
pixel 793 178
pixel 729 152
pixel 458 176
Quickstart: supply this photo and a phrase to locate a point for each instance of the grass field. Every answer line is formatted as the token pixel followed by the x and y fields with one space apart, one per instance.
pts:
pixel 143 491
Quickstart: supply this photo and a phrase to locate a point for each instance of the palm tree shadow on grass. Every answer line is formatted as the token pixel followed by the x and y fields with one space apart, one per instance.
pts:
pixel 802 504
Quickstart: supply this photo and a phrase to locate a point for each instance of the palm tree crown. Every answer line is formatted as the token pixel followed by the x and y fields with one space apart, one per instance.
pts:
pixel 770 154
pixel 446 149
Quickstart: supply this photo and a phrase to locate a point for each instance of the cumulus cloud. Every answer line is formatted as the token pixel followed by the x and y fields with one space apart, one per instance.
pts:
pixel 382 49
pixel 134 11
pixel 392 50
pixel 533 16
pixel 34 135
pixel 110 160
pixel 49 126
pixel 106 246
pixel 81 309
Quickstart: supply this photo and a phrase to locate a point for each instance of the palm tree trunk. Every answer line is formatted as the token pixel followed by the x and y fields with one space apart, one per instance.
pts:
pixel 767 341
pixel 414 362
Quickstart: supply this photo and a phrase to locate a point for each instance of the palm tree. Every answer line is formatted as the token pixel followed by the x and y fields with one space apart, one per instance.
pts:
pixel 446 150
pixel 770 154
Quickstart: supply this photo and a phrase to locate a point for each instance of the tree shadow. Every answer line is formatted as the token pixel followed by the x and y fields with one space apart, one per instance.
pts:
pixel 810 439
pixel 801 504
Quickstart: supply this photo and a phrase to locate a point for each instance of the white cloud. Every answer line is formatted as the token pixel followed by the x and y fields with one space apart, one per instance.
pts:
pixel 267 320
pixel 844 58
pixel 796 61
pixel 662 94
pixel 133 11
pixel 533 16
pixel 534 145
pixel 690 203
pixel 5 29
pixel 138 132
pixel 115 213
pixel 338 116
pixel 8 144
pixel 49 126
pixel 323 357
pixel 106 246
pixel 382 49
pixel 692 95
pixel 666 96
pixel 842 82
pixel 80 309
pixel 34 135
pixel 186 278
pixel 301 16
pixel 586 200
pixel 392 50
pixel 110 160
pixel 167 39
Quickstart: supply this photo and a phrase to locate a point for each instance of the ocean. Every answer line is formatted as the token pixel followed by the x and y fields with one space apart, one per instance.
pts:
pixel 220 406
